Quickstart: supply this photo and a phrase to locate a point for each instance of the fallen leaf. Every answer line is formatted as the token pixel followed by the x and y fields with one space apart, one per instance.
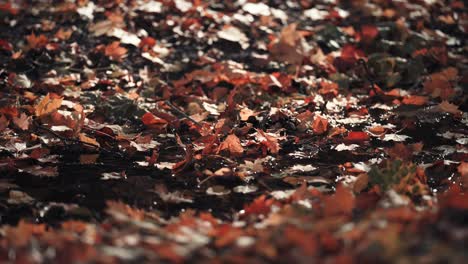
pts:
pixel 361 183
pixel 415 100
pixel 3 123
pixel 356 137
pixel 115 52
pixel 23 121
pixel 440 84
pixel 447 107
pixel 47 105
pixel 320 125
pixel 232 144
pixel 149 119
pixel 37 42
pixel 341 202
pixel 269 140
pixel 88 140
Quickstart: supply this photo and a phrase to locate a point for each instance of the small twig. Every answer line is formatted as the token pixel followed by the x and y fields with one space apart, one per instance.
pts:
pixel 368 73
pixel 180 112
pixel 77 141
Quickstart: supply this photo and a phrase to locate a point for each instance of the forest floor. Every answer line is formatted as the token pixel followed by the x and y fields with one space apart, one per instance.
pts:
pixel 233 132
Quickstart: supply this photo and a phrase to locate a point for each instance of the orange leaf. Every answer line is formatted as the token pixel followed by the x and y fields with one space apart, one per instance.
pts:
pixel 86 139
pixel 341 202
pixel 233 144
pixel 320 125
pixel 48 105
pixel 37 42
pixel 415 100
pixel 260 206
pixel 356 136
pixel 114 51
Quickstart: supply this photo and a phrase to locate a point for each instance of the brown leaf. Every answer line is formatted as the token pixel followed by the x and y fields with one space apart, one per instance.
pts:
pixel 232 144
pixel 341 202
pixel 149 119
pixel 447 107
pixel 440 84
pixel 3 123
pixel 361 183
pixel 22 121
pixel 290 46
pixel 269 140
pixel 114 51
pixel 320 125
pixel 48 105
pixel 356 137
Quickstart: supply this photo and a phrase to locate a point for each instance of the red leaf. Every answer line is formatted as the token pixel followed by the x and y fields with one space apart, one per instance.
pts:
pixel 260 206
pixel 369 33
pixel 356 137
pixel 149 119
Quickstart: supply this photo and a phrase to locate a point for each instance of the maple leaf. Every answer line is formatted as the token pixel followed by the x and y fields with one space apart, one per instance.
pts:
pixel 260 206
pixel 114 51
pixel 232 144
pixel 440 84
pixel 328 88
pixel 48 104
pixel 320 125
pixel 37 42
pixel 447 107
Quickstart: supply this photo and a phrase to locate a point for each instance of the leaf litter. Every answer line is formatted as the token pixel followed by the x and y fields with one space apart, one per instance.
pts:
pixel 194 131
